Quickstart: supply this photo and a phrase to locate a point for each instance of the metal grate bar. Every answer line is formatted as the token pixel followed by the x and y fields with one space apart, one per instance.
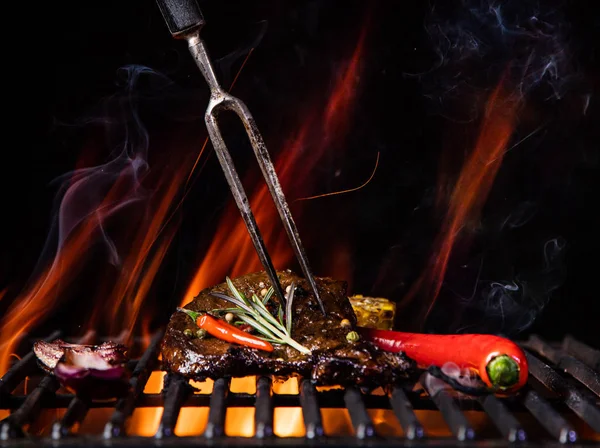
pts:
pixel 333 398
pixel 215 426
pixel 582 351
pixel 569 364
pixel 76 412
pixel 456 420
pixel 406 415
pixel 577 369
pixel 11 427
pixel 22 368
pixel 125 406
pixel 506 423
pixel 551 420
pixel 311 413
pixel 363 426
pixel 175 391
pixel 582 404
pixel 263 417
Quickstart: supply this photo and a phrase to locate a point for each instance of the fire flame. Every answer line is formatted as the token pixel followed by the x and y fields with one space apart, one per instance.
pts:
pixel 119 309
pixel 471 189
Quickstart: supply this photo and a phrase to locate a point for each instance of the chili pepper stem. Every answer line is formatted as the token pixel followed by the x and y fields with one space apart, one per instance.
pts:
pixel 503 371
pixel 193 314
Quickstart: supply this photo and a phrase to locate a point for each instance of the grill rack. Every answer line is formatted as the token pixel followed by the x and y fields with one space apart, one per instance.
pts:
pixel 562 379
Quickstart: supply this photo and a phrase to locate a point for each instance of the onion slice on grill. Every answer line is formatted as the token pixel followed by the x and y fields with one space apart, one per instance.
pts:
pixel 93 371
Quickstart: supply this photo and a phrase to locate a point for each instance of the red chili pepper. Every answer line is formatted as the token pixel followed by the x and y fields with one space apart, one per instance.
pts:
pixel 222 330
pixel 499 362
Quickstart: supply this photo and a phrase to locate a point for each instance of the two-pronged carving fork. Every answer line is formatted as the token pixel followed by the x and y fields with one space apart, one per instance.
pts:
pixel 185 21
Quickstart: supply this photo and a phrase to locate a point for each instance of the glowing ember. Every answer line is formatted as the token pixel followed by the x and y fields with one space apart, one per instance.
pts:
pixel 337 421
pixel 471 189
pixel 288 422
pixel 144 421
pixel 240 421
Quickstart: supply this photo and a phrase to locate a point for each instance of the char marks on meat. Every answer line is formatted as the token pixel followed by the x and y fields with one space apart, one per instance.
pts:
pixel 334 360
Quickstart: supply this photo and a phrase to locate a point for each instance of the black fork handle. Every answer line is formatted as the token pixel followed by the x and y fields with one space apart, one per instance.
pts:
pixel 182 16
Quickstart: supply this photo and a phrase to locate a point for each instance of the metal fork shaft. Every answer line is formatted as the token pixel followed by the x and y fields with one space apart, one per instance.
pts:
pixel 221 101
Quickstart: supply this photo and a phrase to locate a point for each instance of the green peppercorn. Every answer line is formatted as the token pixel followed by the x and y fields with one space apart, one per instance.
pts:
pixel 189 333
pixel 353 336
pixel 201 333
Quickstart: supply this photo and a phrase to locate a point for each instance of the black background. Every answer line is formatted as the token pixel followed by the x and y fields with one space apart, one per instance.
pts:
pixel 61 59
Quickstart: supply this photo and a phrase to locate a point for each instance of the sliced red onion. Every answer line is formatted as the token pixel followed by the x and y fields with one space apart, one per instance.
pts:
pixel 92 371
pixel 88 364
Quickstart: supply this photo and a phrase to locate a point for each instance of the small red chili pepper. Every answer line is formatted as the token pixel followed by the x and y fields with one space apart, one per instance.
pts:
pixel 222 330
pixel 499 362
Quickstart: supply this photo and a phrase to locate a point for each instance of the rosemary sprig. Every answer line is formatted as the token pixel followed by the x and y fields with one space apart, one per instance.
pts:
pixel 254 312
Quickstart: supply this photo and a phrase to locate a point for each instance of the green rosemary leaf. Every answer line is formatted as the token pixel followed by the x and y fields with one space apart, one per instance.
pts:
pixel 235 291
pixel 258 326
pixel 274 341
pixel 268 295
pixel 264 312
pixel 246 307
pixel 226 310
pixel 193 314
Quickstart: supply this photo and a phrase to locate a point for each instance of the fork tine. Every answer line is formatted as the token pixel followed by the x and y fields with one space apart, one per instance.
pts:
pixel 242 202
pixel 270 176
pixel 219 101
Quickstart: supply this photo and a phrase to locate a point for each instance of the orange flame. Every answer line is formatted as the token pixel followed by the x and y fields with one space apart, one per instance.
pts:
pixel 119 310
pixel 131 290
pixel 472 187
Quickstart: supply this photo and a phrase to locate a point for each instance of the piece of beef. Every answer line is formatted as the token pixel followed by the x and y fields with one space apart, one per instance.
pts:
pixel 334 360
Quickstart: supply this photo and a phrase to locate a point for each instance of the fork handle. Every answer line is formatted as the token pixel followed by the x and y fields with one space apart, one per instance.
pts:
pixel 183 17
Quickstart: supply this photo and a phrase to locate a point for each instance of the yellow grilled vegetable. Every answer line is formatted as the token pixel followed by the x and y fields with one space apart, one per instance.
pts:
pixel 373 312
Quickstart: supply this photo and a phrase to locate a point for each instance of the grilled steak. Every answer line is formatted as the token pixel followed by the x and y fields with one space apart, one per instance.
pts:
pixel 334 360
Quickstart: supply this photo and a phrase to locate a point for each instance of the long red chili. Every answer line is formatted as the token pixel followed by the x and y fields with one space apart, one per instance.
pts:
pixel 499 362
pixel 222 330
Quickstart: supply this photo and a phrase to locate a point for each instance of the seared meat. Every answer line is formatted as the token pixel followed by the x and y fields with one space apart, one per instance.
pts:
pixel 334 360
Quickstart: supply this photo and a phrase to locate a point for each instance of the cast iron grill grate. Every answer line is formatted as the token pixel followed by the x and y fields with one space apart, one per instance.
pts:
pixel 562 397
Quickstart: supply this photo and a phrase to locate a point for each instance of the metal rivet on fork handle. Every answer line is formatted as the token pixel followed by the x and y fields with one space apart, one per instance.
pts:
pixel 185 20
